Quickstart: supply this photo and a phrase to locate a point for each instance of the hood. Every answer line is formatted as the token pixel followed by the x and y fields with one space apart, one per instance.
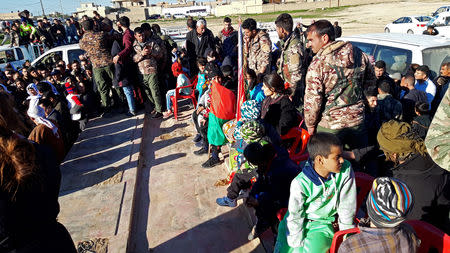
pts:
pixel 341 50
pixel 312 175
pixel 418 165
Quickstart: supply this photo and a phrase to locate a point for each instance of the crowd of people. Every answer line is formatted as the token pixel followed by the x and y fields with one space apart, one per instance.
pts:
pixel 359 118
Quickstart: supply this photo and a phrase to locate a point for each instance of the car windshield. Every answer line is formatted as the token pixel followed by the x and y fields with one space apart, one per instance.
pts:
pixel 435 57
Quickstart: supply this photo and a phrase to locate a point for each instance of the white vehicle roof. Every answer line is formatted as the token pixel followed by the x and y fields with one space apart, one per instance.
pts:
pixel 422 41
pixel 65 47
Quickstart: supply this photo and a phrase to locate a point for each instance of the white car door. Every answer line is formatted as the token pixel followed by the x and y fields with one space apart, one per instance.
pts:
pixel 396 26
pixel 407 25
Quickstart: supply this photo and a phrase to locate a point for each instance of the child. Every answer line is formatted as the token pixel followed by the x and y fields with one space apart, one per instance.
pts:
pixel 182 80
pixel 201 76
pixel 252 89
pixel 422 122
pixel 324 188
pixel 388 204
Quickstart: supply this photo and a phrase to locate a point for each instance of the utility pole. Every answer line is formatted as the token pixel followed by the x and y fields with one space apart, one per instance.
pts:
pixel 42 7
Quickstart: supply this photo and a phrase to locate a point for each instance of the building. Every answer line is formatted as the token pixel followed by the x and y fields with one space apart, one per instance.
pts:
pixel 89 8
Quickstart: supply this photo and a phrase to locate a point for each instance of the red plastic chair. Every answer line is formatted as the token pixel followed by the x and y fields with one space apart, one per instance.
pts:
pixel 281 213
pixel 179 96
pixel 338 238
pixel 430 237
pixel 363 185
pixel 298 134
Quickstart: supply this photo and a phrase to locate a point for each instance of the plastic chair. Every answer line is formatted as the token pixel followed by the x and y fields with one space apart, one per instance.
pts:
pixel 430 236
pixel 363 184
pixel 178 96
pixel 338 238
pixel 281 213
pixel 298 134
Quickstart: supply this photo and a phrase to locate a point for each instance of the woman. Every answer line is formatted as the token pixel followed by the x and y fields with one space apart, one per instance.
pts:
pixel 428 182
pixel 277 109
pixel 29 189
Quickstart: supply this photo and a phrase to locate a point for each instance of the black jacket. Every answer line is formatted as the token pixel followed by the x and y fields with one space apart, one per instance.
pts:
pixel 280 113
pixel 430 186
pixel 196 48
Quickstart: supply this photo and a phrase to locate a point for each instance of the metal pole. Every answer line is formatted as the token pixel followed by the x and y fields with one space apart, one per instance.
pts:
pixel 42 7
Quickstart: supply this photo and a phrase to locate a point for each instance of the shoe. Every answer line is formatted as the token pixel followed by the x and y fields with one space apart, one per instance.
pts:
pixel 167 114
pixel 130 114
pixel 199 144
pixel 243 194
pixel 197 138
pixel 211 162
pixel 157 115
pixel 201 151
pixel 225 201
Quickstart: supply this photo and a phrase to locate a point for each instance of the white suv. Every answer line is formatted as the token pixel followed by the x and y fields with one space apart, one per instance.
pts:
pixel 400 50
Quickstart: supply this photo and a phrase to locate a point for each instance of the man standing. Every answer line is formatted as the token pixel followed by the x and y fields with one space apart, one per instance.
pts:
pixel 197 41
pixel 147 54
pixel 424 83
pixel 291 64
pixel 411 97
pixel 44 36
pixel 257 48
pixel 95 45
pixel 334 86
pixel 337 30
pixel 228 37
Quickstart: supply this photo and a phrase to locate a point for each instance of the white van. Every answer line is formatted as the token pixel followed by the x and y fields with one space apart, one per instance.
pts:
pixel 400 50
pixel 16 56
pixel 68 53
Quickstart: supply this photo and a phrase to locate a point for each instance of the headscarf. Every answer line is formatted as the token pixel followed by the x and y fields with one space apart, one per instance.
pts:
pixel 252 131
pixel 396 137
pixel 250 110
pixel 37 113
pixel 177 69
pixel 389 202
pixel 31 96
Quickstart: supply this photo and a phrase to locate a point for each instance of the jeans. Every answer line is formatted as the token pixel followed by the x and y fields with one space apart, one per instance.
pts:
pixel 129 94
pixel 170 93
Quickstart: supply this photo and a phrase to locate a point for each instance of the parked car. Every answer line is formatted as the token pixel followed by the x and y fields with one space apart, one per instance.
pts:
pixel 16 56
pixel 154 16
pixel 179 15
pixel 68 53
pixel 410 24
pixel 440 10
pixel 400 50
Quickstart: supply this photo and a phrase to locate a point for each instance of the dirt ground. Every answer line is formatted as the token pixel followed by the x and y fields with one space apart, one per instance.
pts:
pixel 367 18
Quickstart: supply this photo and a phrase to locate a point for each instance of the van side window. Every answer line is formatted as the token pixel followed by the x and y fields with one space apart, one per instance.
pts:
pixel 397 59
pixel 73 55
pixel 365 47
pixel 7 56
pixel 19 54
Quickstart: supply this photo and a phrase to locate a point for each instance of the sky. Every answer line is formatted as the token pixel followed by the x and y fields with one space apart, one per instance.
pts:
pixel 50 6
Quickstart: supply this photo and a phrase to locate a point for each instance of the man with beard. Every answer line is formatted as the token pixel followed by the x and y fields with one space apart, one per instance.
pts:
pixel 257 49
pixel 197 41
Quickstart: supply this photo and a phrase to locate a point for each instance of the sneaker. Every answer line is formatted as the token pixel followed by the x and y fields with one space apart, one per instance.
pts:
pixel 157 115
pixel 197 138
pixel 225 201
pixel 199 144
pixel 243 194
pixel 201 151
pixel 211 162
pixel 130 114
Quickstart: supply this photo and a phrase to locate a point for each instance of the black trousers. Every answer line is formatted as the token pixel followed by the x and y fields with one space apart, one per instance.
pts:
pixel 202 130
pixel 240 181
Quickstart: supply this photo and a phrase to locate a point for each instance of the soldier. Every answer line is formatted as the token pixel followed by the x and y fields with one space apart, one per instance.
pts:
pixel 257 48
pixel 95 44
pixel 147 54
pixel 334 86
pixel 438 137
pixel 291 64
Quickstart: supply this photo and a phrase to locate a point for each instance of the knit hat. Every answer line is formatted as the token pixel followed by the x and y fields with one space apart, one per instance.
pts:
pixel 70 88
pixel 396 137
pixel 177 69
pixel 250 109
pixel 389 202
pixel 252 131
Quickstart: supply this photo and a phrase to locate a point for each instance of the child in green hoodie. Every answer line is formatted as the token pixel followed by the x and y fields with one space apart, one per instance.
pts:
pixel 325 187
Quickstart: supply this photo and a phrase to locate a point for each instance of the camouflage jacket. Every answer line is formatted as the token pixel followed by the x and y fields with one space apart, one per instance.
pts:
pixel 291 64
pixel 438 136
pixel 389 108
pixel 96 46
pixel 334 86
pixel 148 64
pixel 258 52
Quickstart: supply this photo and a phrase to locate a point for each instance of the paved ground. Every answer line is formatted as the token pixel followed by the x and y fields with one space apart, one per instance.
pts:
pixel 98 180
pixel 175 208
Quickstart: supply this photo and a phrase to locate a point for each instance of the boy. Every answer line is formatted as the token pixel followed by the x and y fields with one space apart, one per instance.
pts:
pixel 201 76
pixel 388 205
pixel 324 188
pixel 182 80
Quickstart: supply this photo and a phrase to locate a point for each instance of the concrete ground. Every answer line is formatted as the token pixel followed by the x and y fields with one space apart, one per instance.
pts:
pixel 175 207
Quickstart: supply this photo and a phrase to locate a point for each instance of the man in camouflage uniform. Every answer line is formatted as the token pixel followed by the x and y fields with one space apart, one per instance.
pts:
pixel 438 136
pixel 291 64
pixel 334 86
pixel 95 44
pixel 257 49
pixel 147 54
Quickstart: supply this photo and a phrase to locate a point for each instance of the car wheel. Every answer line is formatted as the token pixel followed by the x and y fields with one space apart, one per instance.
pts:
pixel 410 32
pixel 386 30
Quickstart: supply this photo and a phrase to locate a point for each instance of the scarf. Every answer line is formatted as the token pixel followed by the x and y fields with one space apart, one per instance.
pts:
pixel 37 113
pixel 227 33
